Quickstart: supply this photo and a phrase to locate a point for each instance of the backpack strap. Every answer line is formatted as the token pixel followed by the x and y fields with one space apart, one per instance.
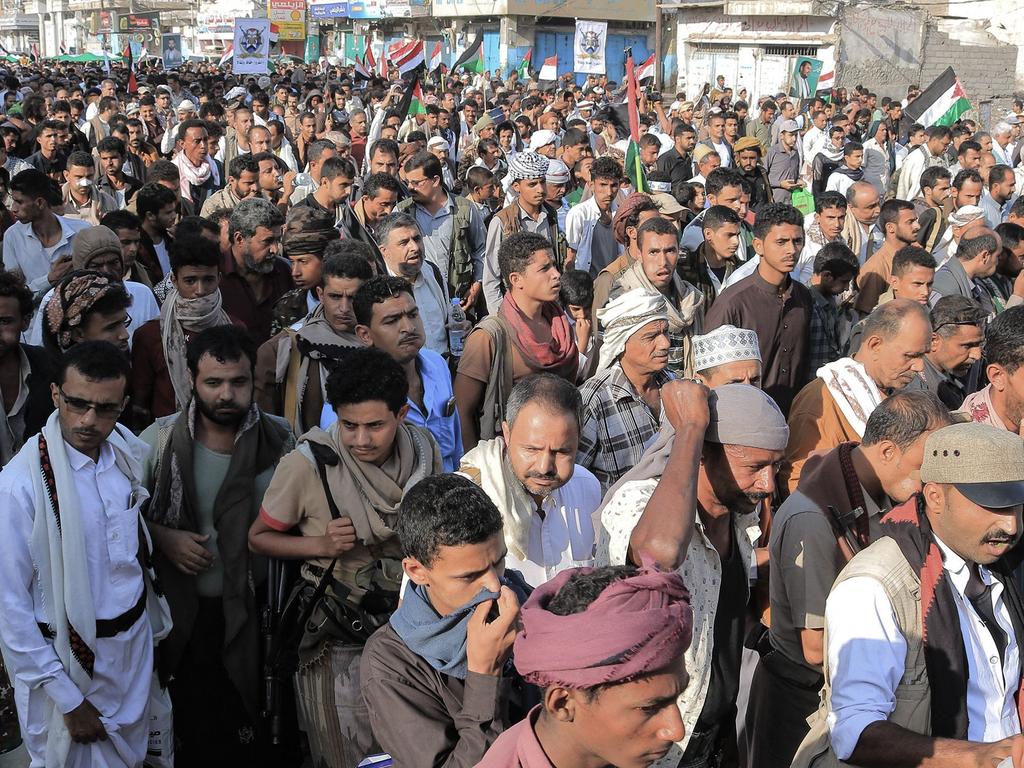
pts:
pixel 500 383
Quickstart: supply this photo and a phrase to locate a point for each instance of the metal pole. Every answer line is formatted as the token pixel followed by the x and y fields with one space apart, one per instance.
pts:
pixel 657 46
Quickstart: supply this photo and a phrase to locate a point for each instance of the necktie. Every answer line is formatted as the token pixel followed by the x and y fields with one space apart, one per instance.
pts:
pixel 980 595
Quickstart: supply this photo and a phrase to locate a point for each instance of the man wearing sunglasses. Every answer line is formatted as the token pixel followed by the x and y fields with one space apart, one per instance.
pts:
pixel 77 634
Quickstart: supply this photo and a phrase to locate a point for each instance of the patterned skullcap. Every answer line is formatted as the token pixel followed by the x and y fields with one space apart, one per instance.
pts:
pixel 72 300
pixel 725 344
pixel 558 172
pixel 528 165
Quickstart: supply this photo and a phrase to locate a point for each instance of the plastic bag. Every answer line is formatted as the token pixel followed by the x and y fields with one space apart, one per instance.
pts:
pixel 803 201
pixel 160 752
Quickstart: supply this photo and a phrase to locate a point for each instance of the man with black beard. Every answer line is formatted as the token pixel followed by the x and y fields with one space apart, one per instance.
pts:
pixel 207 471
pixel 254 275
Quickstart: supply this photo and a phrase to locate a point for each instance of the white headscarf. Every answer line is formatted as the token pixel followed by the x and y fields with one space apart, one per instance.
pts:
pixel 624 316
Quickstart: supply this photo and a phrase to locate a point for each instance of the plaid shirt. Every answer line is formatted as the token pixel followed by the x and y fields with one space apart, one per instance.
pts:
pixel 617 425
pixel 824 347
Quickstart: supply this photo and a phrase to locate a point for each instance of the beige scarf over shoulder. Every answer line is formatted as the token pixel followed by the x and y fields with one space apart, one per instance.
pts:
pixel 685 314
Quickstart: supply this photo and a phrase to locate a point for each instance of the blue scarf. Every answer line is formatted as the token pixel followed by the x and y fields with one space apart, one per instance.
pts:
pixel 441 640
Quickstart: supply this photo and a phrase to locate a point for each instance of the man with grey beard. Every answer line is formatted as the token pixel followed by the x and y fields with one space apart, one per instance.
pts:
pixel 254 274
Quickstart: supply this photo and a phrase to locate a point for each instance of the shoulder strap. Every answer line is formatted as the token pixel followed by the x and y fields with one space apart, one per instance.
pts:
pixel 291 383
pixel 324 458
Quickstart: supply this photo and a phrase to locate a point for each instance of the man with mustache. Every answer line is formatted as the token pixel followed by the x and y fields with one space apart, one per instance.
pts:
pixel 834 408
pixel 922 659
pixel 655 272
pixel 689 506
pixel 546 500
pixel 388 319
pixel 957 334
pixel 254 274
pixel 622 401
pixel 160 383
pixel 401 246
pixel 367 460
pixel 208 468
pixel 835 512
pixel 77 636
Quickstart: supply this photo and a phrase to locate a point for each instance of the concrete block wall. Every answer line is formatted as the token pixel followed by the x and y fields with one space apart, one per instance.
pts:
pixel 986 71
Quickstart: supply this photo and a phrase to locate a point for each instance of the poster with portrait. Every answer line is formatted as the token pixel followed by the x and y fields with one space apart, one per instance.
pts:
pixel 251 47
pixel 804 83
pixel 170 50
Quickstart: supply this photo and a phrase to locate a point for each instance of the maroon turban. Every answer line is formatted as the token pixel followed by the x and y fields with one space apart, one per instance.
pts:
pixel 624 211
pixel 637 626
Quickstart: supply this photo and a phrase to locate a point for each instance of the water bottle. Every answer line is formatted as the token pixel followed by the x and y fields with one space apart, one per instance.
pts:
pixel 458 327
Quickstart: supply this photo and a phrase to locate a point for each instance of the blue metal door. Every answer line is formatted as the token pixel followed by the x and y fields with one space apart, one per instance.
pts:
pixel 615 54
pixel 492 51
pixel 554 44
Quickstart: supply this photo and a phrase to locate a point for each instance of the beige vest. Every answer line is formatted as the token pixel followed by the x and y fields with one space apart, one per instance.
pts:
pixel 884 562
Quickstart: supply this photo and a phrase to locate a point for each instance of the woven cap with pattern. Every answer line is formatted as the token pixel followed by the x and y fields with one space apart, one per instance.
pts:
pixel 725 344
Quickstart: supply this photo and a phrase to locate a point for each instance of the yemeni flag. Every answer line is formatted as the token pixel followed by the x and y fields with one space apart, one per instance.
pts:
pixel 360 71
pixel 472 59
pixel 634 167
pixel 133 85
pixel 408 57
pixel 412 100
pixel 368 60
pixel 435 59
pixel 549 71
pixel 228 54
pixel 646 70
pixel 524 65
pixel 941 103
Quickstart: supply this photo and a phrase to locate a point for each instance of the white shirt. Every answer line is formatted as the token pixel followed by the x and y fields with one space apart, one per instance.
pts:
pixel 24 251
pixel 564 538
pixel 838 182
pixel 143 309
pixel 723 152
pixel 579 229
pixel 862 632
pixel 121 681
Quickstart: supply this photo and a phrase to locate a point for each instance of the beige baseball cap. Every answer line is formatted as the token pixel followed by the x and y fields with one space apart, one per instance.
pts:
pixel 984 463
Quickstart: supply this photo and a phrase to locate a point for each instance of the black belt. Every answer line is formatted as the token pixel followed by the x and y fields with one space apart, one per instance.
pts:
pixel 110 627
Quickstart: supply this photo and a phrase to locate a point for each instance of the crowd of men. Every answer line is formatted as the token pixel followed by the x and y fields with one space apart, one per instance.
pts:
pixel 335 436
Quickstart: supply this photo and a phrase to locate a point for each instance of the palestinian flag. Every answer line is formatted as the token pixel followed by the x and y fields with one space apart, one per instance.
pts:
pixel 228 54
pixel 941 103
pixel 412 100
pixel 646 70
pixel 524 65
pixel 472 59
pixel 634 167
pixel 435 59
pixel 408 57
